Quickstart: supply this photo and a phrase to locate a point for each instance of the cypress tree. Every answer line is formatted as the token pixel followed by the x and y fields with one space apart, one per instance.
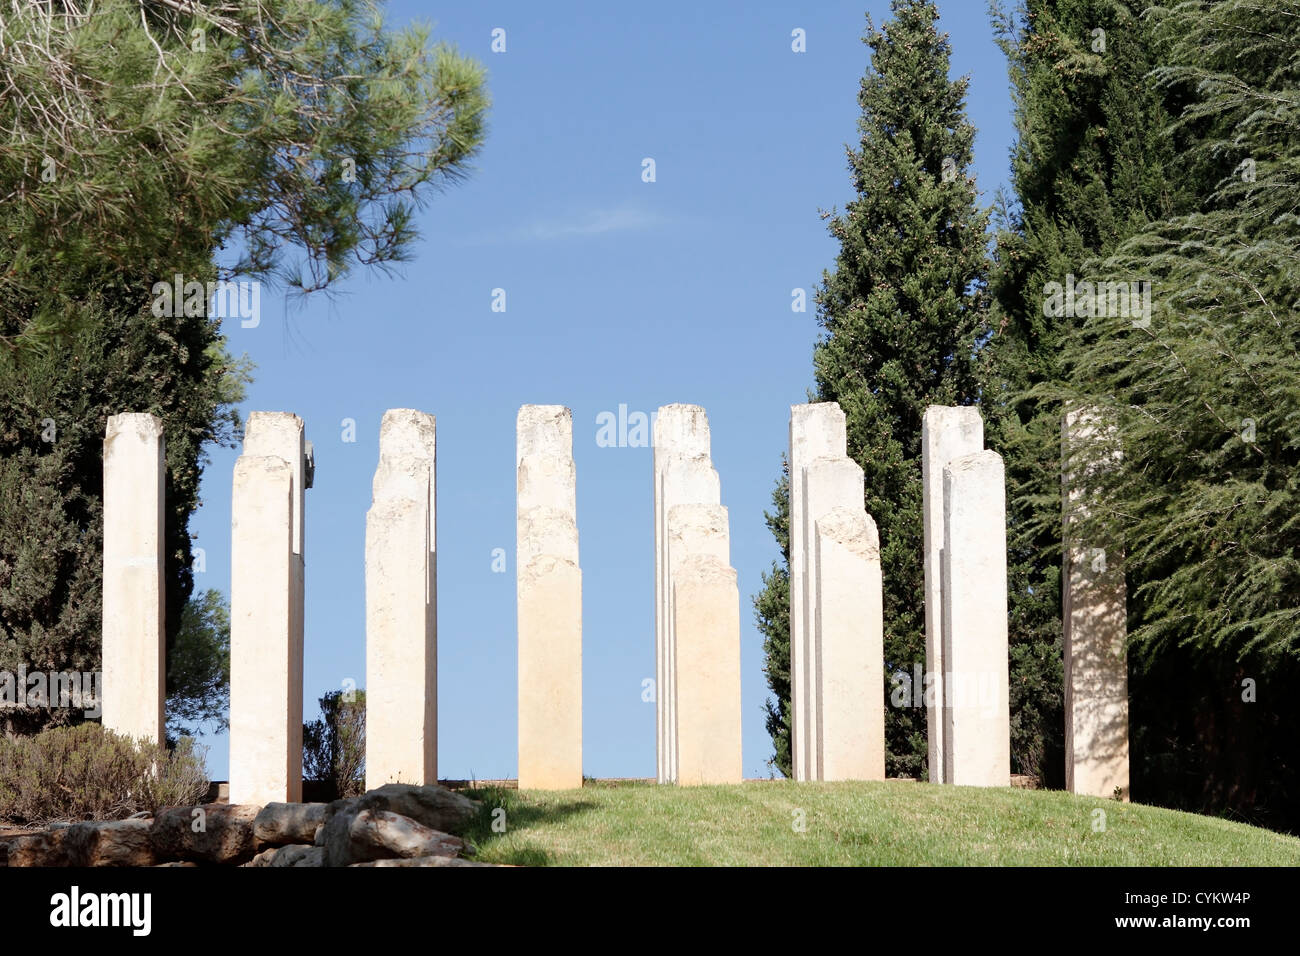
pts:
pixel 902 313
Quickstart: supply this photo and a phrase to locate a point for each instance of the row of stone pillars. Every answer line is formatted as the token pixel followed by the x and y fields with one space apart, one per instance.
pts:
pixel 836 621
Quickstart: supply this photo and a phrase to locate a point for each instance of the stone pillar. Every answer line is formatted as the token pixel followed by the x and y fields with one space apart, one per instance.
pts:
pixel 280 435
pixel 849 638
pixel 134 662
pixel 683 474
pixel 706 623
pixel 816 431
pixel 549 590
pixel 265 659
pixel 977 731
pixel 947 432
pixel 1096 626
pixel 829 484
pixel 401 605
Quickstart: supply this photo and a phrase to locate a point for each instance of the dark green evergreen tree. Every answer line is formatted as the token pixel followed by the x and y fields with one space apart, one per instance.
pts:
pixel 1093 163
pixel 142 141
pixel 1206 396
pixel 902 311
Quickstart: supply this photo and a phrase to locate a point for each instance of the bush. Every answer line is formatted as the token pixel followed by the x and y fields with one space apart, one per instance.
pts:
pixel 334 747
pixel 89 773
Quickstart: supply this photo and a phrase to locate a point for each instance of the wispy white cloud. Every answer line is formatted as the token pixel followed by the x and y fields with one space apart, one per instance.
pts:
pixel 590 222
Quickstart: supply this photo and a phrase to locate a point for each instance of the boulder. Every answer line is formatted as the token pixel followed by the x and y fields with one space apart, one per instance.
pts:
pixel 358 836
pixel 223 833
pixel 293 855
pixel 279 824
pixel 43 848
pixel 433 806
pixel 111 843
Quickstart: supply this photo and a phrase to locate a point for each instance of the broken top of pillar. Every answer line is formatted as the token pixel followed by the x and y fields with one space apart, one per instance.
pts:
pixel 547 486
pixel 408 461
pixel 405 431
pixel 853 529
pixel 817 430
pixel 280 435
pixel 682 430
pixel 139 425
pixel 544 431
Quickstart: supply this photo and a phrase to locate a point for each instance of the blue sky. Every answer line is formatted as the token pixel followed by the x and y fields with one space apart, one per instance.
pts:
pixel 618 292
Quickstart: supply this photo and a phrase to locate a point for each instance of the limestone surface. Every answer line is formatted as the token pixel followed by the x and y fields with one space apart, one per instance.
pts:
pixel 977 732
pixel 549 601
pixel 133 592
pixel 947 432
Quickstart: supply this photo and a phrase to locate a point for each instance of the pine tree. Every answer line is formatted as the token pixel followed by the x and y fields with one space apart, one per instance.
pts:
pixel 902 314
pixel 142 141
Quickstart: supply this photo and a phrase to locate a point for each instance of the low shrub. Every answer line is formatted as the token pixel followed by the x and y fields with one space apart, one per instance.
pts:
pixel 89 773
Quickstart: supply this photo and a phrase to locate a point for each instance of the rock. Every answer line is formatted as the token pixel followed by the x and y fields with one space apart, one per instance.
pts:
pixel 111 843
pixel 426 861
pixel 226 835
pixel 283 823
pixel 176 863
pixel 44 848
pixel 433 806
pixel 293 855
pixel 93 843
pixel 358 836
pixel 300 857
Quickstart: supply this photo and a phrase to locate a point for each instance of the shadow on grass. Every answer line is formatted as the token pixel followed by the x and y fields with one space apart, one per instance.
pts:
pixel 485 831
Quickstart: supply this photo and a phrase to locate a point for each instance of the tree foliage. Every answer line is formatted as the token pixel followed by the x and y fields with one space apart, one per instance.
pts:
pixel 137 139
pixel 334 745
pixel 902 311
pixel 141 139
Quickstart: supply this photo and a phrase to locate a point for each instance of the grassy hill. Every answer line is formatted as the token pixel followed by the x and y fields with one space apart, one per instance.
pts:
pixel 895 823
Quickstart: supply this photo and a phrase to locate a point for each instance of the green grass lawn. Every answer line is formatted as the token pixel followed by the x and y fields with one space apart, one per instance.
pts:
pixel 895 823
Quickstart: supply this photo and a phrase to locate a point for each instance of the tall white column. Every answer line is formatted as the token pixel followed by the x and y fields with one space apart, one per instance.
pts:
pixel 849 636
pixel 1094 614
pixel 265 659
pixel 706 622
pixel 401 605
pixel 683 474
pixel 829 484
pixel 947 432
pixel 549 587
pixel 134 665
pixel 977 734
pixel 817 430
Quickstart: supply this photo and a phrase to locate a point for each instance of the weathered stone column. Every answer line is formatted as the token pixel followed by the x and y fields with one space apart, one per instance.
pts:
pixel 849 638
pixel 947 432
pixel 281 435
pixel 549 586
pixel 1096 624
pixel 829 484
pixel 265 659
pixel 706 622
pixel 817 430
pixel 401 605
pixel 134 662
pixel 683 474
pixel 977 734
